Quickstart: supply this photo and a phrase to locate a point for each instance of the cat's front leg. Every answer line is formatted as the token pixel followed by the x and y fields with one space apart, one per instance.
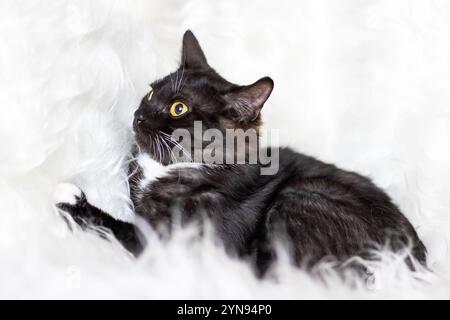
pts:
pixel 73 205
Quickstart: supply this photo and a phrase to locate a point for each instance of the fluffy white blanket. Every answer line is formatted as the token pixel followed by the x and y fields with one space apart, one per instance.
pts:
pixel 364 84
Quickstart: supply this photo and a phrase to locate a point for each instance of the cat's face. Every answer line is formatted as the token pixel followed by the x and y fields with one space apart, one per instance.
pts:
pixel 195 92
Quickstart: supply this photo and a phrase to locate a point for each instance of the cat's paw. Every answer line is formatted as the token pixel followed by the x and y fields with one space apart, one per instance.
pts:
pixel 71 202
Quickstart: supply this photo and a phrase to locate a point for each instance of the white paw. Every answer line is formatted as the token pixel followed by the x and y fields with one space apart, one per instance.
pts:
pixel 67 193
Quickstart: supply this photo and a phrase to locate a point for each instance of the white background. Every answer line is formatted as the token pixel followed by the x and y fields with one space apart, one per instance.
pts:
pixel 363 84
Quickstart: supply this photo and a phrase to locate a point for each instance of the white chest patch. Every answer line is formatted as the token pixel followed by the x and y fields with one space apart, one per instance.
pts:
pixel 152 169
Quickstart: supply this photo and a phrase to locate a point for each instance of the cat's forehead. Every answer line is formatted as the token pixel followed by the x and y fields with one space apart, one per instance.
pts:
pixel 170 88
pixel 188 81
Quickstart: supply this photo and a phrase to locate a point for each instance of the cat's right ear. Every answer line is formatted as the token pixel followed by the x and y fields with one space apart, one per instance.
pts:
pixel 246 102
pixel 192 56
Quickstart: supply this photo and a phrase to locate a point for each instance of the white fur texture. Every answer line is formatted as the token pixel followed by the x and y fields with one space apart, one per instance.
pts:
pixel 364 84
pixel 66 193
pixel 152 169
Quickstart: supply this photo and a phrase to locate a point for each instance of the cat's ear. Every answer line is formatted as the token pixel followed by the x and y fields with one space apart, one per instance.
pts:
pixel 246 102
pixel 192 56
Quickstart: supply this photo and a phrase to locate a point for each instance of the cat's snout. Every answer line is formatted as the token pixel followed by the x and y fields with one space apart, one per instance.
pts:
pixel 139 117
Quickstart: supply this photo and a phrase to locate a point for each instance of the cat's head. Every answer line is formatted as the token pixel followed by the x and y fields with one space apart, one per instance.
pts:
pixel 195 92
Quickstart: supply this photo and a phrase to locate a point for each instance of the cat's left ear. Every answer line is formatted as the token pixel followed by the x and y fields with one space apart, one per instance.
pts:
pixel 192 56
pixel 246 102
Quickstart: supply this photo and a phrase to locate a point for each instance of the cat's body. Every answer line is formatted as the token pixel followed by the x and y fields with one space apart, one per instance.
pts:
pixel 318 210
pixel 315 209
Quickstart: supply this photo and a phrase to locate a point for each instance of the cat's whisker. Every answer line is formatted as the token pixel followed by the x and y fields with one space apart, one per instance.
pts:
pixel 164 147
pixel 132 175
pixel 169 149
pixel 152 144
pixel 155 147
pixel 173 157
pixel 162 142
pixel 160 149
pixel 182 77
pixel 176 82
pixel 185 152
pixel 172 86
pixel 175 143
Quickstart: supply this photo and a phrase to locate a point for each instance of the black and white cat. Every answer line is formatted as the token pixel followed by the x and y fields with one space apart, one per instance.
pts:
pixel 316 209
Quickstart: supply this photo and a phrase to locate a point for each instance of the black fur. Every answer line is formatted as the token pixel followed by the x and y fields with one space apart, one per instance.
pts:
pixel 90 217
pixel 316 209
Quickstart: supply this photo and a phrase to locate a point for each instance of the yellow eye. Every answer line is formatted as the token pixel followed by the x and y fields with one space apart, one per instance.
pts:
pixel 150 95
pixel 178 109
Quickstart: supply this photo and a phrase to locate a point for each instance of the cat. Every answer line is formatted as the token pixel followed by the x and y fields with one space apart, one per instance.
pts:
pixel 315 209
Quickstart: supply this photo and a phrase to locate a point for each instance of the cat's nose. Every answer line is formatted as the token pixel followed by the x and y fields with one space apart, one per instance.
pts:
pixel 139 117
